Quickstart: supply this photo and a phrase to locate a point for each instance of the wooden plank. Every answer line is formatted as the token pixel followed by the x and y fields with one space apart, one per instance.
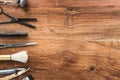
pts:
pixel 72 22
pixel 71 59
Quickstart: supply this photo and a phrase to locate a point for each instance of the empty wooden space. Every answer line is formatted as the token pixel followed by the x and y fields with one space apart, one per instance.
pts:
pixel 77 39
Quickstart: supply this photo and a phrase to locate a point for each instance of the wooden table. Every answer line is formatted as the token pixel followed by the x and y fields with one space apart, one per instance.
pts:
pixel 78 39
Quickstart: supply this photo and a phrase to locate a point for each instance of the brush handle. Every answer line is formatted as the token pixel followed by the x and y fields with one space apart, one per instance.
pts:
pixel 5 57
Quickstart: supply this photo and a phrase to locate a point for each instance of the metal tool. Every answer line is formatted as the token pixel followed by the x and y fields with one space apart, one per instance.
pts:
pixel 14 75
pixel 10 71
pixel 21 3
pixel 16 45
pixel 13 34
pixel 8 2
pixel 21 21
pixel 28 77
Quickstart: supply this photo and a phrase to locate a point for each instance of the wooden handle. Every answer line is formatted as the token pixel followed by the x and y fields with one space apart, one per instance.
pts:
pixel 4 57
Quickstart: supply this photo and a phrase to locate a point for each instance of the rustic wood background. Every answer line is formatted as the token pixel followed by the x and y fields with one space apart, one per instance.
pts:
pixel 78 39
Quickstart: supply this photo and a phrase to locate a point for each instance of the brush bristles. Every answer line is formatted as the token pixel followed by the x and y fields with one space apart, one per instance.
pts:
pixel 20 57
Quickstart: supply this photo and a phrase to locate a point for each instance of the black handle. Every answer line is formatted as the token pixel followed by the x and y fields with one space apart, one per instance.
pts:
pixel 18 34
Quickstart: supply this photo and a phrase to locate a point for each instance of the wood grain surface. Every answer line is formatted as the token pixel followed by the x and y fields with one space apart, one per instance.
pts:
pixel 77 39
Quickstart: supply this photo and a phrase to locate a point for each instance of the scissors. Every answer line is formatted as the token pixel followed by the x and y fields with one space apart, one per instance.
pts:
pixel 21 21
pixel 2 46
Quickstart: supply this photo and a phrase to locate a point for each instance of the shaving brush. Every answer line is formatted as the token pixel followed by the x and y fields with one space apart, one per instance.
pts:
pixel 19 57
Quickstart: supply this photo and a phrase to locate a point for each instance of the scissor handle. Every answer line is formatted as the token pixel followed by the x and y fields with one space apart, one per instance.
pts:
pixel 1 10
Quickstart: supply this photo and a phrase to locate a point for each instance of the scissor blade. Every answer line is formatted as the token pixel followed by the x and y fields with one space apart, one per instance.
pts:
pixel 20 45
pixel 27 19
pixel 26 24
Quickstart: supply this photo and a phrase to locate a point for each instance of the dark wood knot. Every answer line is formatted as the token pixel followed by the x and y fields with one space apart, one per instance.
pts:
pixel 91 68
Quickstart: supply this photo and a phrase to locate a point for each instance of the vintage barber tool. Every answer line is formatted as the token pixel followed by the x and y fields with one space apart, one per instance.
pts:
pixel 22 21
pixel 12 76
pixel 16 45
pixel 21 3
pixel 19 57
pixel 14 34
pixel 28 77
pixel 11 71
